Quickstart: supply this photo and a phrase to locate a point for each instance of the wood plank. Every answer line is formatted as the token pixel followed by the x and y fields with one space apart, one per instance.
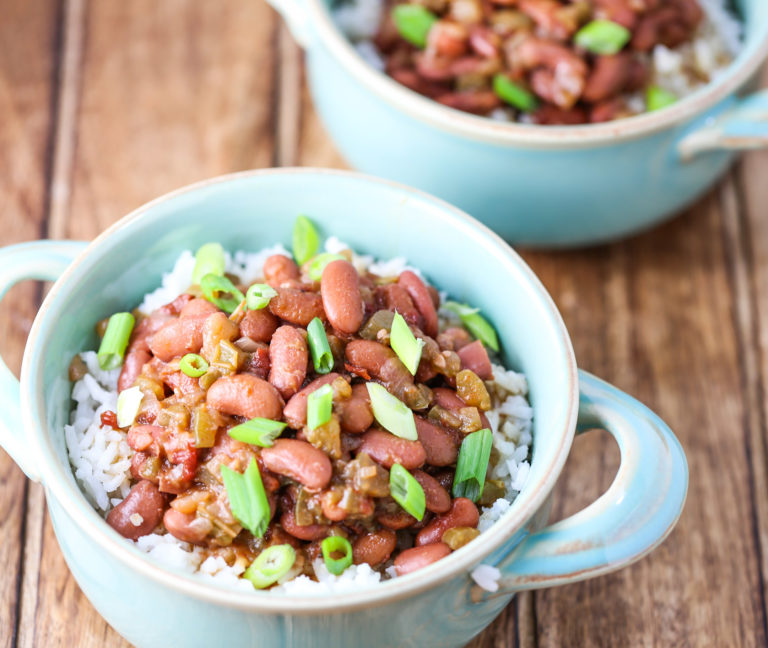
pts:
pixel 655 315
pixel 28 49
pixel 166 94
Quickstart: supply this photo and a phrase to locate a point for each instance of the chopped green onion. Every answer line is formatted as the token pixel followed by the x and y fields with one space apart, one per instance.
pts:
pixel 472 464
pixel 319 406
pixel 657 98
pixel 208 260
pixel 305 240
pixel 317 265
pixel 332 545
pixel 476 323
pixel 115 341
pixel 413 22
pixel 322 357
pixel 221 292
pixel 247 498
pixel 271 565
pixel 405 344
pixel 602 37
pixel 258 431
pixel 258 296
pixel 406 491
pixel 514 94
pixel 193 365
pixel 391 413
pixel 128 403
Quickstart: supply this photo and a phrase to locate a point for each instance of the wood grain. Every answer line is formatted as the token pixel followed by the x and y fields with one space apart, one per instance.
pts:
pixel 28 50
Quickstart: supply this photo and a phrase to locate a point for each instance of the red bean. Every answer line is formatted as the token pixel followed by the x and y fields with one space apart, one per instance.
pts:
pixel 288 357
pixel 132 366
pixel 423 300
pixel 439 444
pixel 394 297
pixel 295 412
pixel 417 557
pixel 609 77
pixel 278 269
pixel 437 498
pixel 296 306
pixel 388 449
pixel 453 338
pixel 374 548
pixel 395 520
pixel 187 527
pixel 245 395
pixel 308 532
pixel 300 461
pixel 340 290
pixel 139 512
pixel 379 362
pixel 198 308
pixel 177 338
pixel 475 357
pixel 259 325
pixel 463 513
pixel 140 437
pixel 355 413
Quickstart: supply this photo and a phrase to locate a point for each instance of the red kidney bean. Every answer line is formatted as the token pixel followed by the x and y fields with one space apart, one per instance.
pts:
pixel 453 338
pixel 608 77
pixel 395 520
pixel 296 306
pixel 140 437
pixel 355 413
pixel 307 532
pixel 547 114
pixel 245 395
pixel 198 308
pixel 417 557
pixel 475 357
pixel 437 498
pixel 288 357
pixel 278 269
pixel 295 412
pixel 177 338
pixel 388 449
pixel 448 399
pixel 175 307
pixel 439 444
pixel 259 325
pixel 395 297
pixel 217 327
pixel 187 527
pixel 422 299
pixel 258 363
pixel 134 362
pixel 374 548
pixel 300 461
pixel 340 290
pixel 484 41
pixel 379 362
pixel 144 502
pixel 463 513
pixel 618 11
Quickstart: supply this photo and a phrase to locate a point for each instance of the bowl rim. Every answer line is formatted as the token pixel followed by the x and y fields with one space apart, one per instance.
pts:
pixel 60 485
pixel 530 135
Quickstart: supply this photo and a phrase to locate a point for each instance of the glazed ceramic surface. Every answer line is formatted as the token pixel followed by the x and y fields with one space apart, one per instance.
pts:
pixel 437 606
pixel 535 185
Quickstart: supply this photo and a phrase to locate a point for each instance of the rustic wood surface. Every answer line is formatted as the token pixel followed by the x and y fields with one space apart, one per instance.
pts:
pixel 105 105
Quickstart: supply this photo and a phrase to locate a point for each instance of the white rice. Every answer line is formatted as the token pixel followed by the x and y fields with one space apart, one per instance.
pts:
pixel 101 458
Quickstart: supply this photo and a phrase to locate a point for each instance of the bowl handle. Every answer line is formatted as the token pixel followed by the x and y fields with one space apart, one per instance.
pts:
pixel 295 15
pixel 629 520
pixel 46 261
pixel 743 126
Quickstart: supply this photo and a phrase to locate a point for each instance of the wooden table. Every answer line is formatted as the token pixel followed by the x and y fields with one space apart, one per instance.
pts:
pixel 104 105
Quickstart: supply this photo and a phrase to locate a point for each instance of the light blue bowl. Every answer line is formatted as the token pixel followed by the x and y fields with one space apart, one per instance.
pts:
pixel 437 606
pixel 535 185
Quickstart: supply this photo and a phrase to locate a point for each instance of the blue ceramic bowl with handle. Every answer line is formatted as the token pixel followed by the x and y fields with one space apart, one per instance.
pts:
pixel 439 605
pixel 536 185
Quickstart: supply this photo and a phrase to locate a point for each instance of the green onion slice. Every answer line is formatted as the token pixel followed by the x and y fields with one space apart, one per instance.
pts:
pixel 258 296
pixel 322 357
pixel 335 545
pixel 472 464
pixel 657 98
pixel 271 565
pixel 115 340
pixel 128 403
pixel 413 22
pixel 221 292
pixel 603 37
pixel 317 265
pixel 247 497
pixel 305 240
pixel 258 431
pixel 514 94
pixel 476 323
pixel 209 259
pixel 319 406
pixel 405 344
pixel 406 491
pixel 193 365
pixel 391 413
